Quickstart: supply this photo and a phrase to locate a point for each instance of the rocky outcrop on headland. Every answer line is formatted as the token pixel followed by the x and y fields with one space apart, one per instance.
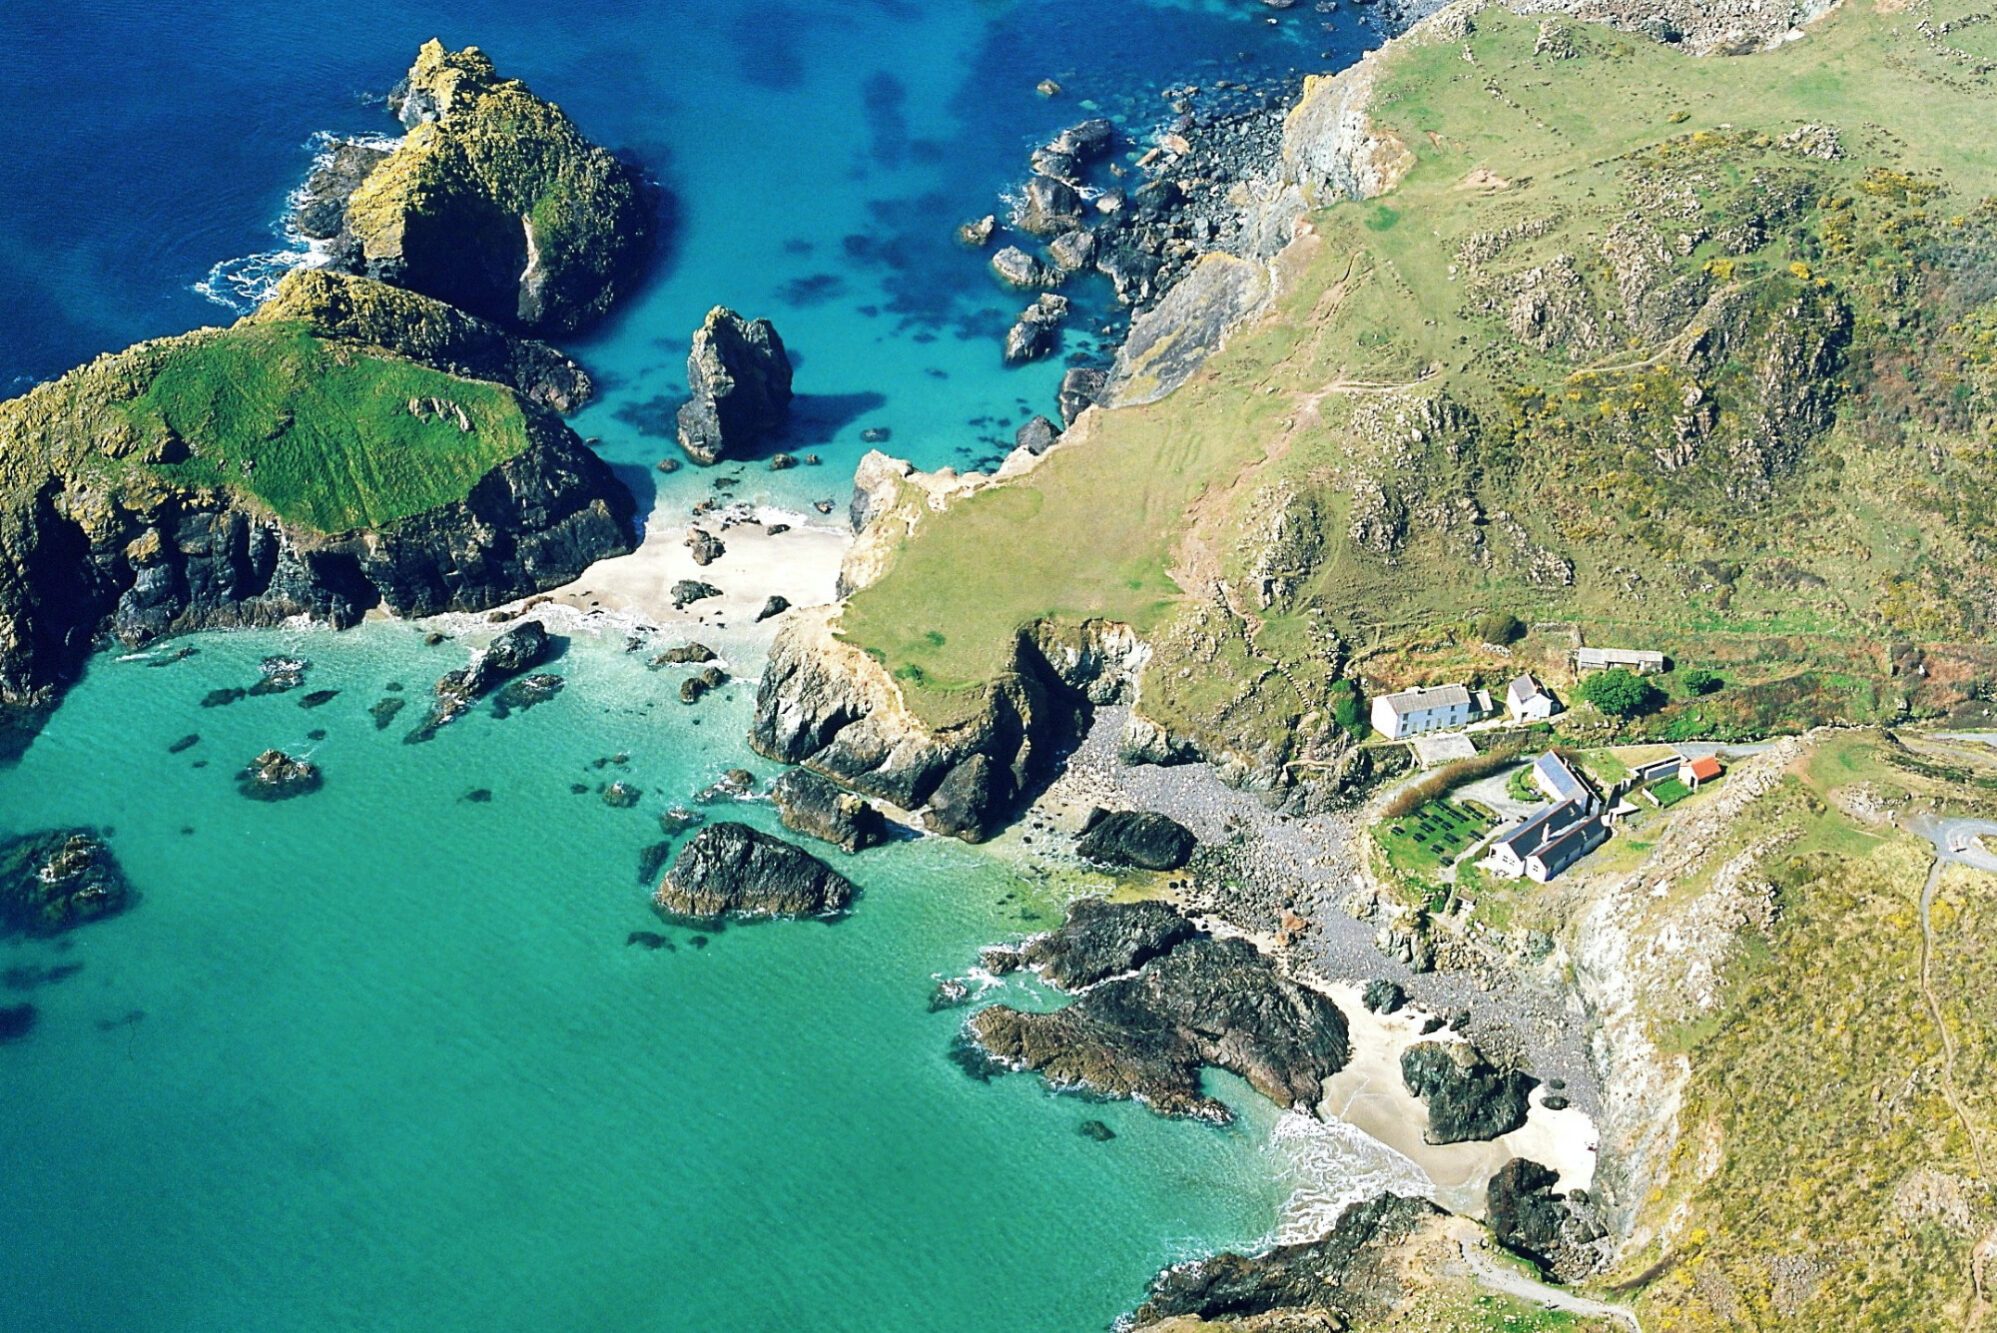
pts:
pixel 1100 939
pixel 1560 1232
pixel 1468 1097
pixel 1351 1273
pixel 1148 1033
pixel 740 377
pixel 360 310
pixel 493 202
pixel 58 879
pixel 731 870
pixel 819 808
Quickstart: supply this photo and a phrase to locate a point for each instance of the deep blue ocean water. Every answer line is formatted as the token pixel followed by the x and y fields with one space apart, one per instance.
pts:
pixel 380 1058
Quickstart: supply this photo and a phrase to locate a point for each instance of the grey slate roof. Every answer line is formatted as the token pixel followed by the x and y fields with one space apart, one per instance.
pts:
pixel 1420 700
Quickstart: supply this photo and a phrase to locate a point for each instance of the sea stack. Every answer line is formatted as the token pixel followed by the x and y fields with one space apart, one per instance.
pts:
pixel 740 376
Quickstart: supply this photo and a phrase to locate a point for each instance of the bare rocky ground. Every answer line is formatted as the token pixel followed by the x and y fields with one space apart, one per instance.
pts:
pixel 1254 865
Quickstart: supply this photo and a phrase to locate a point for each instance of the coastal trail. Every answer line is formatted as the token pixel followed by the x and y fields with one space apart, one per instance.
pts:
pixel 1509 1282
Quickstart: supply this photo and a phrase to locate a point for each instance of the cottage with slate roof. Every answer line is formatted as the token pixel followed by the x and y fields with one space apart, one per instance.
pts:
pixel 1527 702
pixel 1556 837
pixel 1416 711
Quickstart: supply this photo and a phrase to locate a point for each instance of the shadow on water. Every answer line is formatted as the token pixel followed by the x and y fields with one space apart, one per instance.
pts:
pixel 817 418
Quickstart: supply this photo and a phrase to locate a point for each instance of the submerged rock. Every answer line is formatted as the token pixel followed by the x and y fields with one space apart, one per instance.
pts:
pixel 517 696
pixel 650 939
pixel 223 697
pixel 58 879
pixel 1095 1129
pixel 276 776
pixel 819 808
pixel 1468 1097
pixel 184 744
pixel 652 860
pixel 740 377
pixel 383 711
pixel 730 869
pixel 16 1021
pixel 621 795
pixel 1136 839
pixel 1148 1034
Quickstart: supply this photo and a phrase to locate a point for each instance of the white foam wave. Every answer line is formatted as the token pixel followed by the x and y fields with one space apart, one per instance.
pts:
pixel 244 283
pixel 1330 1166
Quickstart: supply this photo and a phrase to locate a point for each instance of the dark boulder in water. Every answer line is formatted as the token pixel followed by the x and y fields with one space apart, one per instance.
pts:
pixel 678 820
pixel 1136 839
pixel 1149 1034
pixel 280 675
pixel 949 994
pixel 730 869
pixel 684 653
pixel 16 1021
pixel 276 776
pixel 819 808
pixel 740 378
pixel 58 879
pixel 185 743
pixel 1469 1098
pixel 693 687
pixel 621 795
pixel 504 658
pixel 479 796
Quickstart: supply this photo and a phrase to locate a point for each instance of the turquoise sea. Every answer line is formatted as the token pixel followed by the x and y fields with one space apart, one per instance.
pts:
pixel 381 1057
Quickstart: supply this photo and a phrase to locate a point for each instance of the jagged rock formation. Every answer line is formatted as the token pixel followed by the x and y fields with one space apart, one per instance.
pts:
pixel 1146 1033
pixel 59 879
pixel 494 202
pixel 819 808
pixel 1560 1232
pixel 1349 1274
pixel 339 305
pixel 513 652
pixel 277 776
pixel 1468 1097
pixel 730 869
pixel 740 376
pixel 1101 939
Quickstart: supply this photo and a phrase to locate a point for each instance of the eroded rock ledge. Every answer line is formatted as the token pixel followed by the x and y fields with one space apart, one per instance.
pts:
pixel 1161 1002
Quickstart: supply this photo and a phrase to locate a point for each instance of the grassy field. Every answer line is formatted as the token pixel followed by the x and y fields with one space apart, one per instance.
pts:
pixel 1475 394
pixel 329 436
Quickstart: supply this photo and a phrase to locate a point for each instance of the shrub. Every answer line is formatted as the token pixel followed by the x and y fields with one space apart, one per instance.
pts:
pixel 1701 681
pixel 1619 692
pixel 1500 627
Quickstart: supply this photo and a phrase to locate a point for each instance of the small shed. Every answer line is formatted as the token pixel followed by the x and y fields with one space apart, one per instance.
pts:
pixel 1695 771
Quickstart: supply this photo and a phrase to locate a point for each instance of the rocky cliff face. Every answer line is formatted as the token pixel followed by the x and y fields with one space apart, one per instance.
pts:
pixel 740 376
pixel 495 202
pixel 90 549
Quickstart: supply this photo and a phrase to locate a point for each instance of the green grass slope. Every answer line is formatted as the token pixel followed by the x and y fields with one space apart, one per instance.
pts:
pixel 327 435
pixel 1694 352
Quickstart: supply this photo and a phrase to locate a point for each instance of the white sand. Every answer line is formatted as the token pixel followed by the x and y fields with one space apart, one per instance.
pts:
pixel 801 565
pixel 1369 1095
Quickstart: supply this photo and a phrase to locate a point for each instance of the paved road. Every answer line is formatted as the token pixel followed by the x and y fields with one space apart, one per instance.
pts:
pixel 1954 839
pixel 1500 1278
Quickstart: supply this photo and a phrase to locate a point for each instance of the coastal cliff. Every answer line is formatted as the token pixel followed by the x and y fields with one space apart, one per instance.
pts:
pixel 248 475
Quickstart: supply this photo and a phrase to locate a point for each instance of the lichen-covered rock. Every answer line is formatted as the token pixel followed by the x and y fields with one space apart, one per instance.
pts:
pixel 1147 1034
pixel 740 377
pixel 1468 1097
pixel 730 869
pixel 58 879
pixel 1137 839
pixel 495 202
pixel 819 808
pixel 357 309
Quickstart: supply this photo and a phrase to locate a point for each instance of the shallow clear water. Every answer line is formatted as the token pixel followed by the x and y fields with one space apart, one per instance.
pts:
pixel 381 1058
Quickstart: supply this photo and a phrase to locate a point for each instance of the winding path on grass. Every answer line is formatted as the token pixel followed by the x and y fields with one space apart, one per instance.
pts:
pixel 1510 1282
pixel 1954 842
